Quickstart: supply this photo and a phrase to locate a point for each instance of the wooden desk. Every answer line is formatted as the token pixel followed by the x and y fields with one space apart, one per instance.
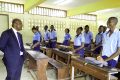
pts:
pixel 90 69
pixel 62 54
pixel 27 47
pixel 43 48
pixel 39 61
pixel 47 51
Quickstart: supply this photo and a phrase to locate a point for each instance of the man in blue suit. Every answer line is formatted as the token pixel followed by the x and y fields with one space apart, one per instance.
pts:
pixel 11 44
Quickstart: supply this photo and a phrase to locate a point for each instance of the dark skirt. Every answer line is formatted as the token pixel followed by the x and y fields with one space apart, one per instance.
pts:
pixel 80 52
pixel 98 50
pixel 111 63
pixel 87 46
pixel 52 44
pixel 66 43
pixel 37 48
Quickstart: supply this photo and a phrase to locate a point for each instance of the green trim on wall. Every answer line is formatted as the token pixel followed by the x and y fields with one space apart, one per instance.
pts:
pixel 31 4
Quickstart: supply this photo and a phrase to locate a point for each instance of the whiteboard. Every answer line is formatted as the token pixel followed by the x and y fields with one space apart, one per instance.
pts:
pixel 4 22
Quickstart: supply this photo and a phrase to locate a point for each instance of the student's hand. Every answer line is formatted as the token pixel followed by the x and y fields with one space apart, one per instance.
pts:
pixel 73 51
pixel 32 47
pixel 99 58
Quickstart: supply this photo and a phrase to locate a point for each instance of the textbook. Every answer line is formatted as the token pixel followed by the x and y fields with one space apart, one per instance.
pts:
pixel 95 62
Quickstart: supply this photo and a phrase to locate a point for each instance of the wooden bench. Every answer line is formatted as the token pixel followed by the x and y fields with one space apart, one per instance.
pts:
pixel 62 69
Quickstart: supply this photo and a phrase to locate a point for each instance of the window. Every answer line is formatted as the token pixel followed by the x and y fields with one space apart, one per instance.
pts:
pixel 10 7
pixel 48 12
pixel 85 17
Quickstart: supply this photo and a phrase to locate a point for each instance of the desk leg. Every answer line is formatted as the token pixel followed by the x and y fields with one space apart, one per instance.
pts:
pixel 109 76
pixel 72 76
pixel 41 69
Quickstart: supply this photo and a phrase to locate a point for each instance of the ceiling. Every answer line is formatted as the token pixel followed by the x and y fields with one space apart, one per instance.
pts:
pixel 51 3
pixel 71 4
pixel 106 11
pixel 75 6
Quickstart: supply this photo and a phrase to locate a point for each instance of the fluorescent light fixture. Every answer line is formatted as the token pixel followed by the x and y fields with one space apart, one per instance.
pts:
pixel 58 1
pixel 63 2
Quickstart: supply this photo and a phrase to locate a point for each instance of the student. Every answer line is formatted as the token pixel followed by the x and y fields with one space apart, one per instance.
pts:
pixel 88 37
pixel 67 37
pixel 37 27
pixel 36 39
pixel 53 37
pixel 79 42
pixel 46 37
pixel 104 29
pixel 98 40
pixel 111 43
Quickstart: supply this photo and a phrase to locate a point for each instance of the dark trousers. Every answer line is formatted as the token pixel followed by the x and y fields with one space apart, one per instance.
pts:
pixel 14 73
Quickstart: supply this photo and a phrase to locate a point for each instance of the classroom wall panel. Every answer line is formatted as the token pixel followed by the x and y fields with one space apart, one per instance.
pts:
pixel 3 22
pixel 60 24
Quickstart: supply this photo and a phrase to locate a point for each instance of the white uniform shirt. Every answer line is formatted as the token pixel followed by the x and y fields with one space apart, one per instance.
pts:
pixel 110 44
pixel 78 40
pixel 46 35
pixel 88 37
pixel 53 34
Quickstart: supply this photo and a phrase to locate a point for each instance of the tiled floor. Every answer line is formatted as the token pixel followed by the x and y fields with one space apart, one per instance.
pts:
pixel 26 75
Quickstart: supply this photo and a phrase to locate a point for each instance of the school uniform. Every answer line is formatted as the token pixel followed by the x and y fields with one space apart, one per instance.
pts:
pixel 98 40
pixel 67 38
pixel 77 43
pixel 53 41
pixel 40 36
pixel 110 45
pixel 88 37
pixel 36 38
pixel 46 38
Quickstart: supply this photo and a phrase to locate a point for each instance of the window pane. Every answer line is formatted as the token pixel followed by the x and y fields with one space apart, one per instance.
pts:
pixel 3 7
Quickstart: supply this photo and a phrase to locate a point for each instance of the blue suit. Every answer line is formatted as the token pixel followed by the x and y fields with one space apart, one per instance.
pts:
pixel 12 58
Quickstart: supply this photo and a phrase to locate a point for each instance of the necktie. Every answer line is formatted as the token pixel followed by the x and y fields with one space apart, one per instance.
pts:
pixel 19 39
